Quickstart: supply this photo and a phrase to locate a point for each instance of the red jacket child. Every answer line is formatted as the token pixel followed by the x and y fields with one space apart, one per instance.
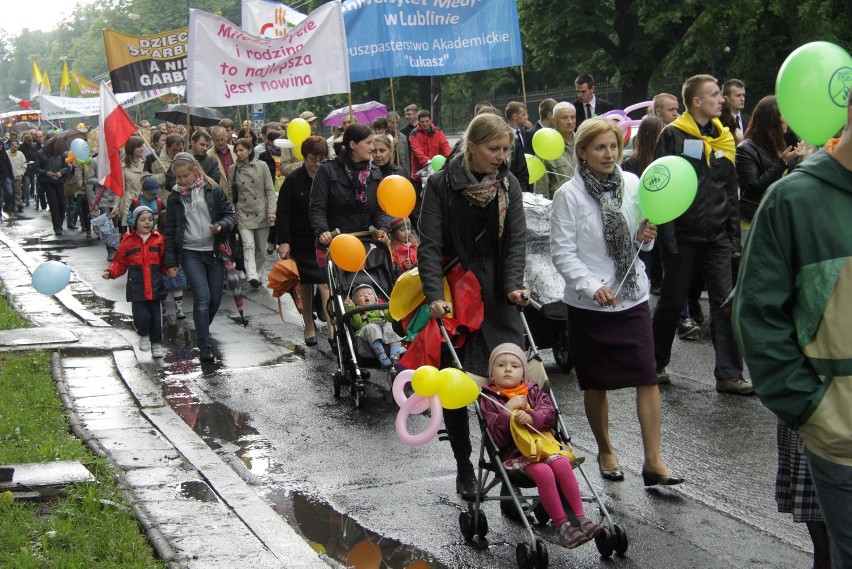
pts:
pixel 142 261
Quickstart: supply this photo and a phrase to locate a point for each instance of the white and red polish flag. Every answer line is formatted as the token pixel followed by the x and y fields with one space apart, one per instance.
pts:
pixel 21 102
pixel 115 127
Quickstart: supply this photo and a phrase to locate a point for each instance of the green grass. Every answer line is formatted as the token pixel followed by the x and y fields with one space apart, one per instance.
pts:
pixel 76 529
pixel 9 319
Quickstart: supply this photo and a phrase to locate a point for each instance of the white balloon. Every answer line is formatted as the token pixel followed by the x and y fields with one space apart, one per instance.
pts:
pixel 284 143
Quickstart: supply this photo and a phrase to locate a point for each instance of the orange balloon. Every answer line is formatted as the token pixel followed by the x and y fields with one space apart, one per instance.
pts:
pixel 396 196
pixel 348 252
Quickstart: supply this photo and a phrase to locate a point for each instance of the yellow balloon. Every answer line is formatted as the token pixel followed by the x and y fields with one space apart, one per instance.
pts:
pixel 426 380
pixel 535 167
pixel 456 389
pixel 407 294
pixel 548 143
pixel 297 131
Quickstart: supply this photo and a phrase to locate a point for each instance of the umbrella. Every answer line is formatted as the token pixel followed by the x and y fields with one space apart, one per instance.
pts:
pixel 284 278
pixel 233 278
pixel 61 142
pixel 365 113
pixel 24 126
pixel 198 116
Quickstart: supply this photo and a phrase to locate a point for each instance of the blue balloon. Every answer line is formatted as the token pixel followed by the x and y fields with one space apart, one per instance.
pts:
pixel 80 149
pixel 51 277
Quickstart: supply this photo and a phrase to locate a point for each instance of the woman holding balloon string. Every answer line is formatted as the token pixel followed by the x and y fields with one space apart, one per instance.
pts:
pixel 473 211
pixel 344 195
pixel 596 230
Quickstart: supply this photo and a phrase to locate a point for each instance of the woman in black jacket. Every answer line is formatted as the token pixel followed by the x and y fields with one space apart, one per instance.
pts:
pixel 473 210
pixel 293 231
pixel 383 156
pixel 344 195
pixel 198 218
pixel 763 156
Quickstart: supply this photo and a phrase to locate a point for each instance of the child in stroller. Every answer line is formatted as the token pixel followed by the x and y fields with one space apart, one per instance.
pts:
pixel 374 326
pixel 531 405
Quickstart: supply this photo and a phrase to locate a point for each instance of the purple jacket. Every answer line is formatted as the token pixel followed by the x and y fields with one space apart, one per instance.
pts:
pixel 497 419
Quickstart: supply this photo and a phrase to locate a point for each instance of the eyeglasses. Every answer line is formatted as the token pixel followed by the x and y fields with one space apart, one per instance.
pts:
pixel 313 159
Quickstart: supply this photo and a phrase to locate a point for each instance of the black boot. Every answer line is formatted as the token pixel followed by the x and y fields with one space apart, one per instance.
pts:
pixel 458 430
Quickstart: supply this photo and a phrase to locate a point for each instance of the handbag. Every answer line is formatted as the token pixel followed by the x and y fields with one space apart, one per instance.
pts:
pixel 172 284
pixel 537 446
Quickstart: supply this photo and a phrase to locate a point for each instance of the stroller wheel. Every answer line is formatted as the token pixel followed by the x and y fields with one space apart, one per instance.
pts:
pixel 524 556
pixel 621 541
pixel 542 559
pixel 359 398
pixel 335 384
pixel 482 530
pixel 562 350
pixel 466 525
pixel 605 541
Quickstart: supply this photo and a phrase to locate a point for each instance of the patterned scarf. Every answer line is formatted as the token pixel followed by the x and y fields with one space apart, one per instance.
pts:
pixel 619 246
pixel 358 173
pixel 193 195
pixel 480 194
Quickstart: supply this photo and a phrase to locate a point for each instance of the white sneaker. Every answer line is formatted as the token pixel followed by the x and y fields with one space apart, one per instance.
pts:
pixel 144 343
pixel 157 351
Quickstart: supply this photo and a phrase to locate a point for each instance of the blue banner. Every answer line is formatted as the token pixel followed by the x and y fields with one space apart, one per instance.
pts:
pixel 392 38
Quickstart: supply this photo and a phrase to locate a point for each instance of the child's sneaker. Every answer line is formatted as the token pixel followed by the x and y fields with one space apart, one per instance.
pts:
pixel 571 536
pixel 144 343
pixel 179 310
pixel 157 351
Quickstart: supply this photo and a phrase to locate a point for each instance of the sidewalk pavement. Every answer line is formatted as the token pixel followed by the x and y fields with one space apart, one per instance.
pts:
pixel 196 510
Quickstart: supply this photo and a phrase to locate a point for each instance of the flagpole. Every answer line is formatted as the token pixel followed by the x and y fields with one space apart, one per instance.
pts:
pixel 393 99
pixel 154 152
pixel 523 86
pixel 350 105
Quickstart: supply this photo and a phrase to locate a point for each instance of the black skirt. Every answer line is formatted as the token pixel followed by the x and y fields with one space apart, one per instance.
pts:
pixel 305 256
pixel 612 349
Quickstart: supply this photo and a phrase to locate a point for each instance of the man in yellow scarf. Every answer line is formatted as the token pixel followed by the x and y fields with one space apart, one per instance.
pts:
pixel 706 236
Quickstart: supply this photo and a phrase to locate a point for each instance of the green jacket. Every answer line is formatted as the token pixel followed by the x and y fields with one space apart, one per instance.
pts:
pixel 793 305
pixel 360 320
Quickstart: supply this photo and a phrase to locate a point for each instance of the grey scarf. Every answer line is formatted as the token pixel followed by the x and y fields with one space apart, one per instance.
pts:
pixel 619 245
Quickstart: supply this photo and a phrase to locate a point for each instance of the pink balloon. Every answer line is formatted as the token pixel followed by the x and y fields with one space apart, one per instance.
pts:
pixel 398 390
pixel 615 113
pixel 431 429
pixel 638 106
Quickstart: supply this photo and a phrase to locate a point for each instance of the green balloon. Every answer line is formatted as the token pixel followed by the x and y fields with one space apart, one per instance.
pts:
pixel 535 167
pixel 438 162
pixel 667 189
pixel 548 144
pixel 812 88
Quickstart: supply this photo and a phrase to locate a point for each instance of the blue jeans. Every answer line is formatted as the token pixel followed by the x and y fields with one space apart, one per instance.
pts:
pixel 205 274
pixel 833 483
pixel 26 183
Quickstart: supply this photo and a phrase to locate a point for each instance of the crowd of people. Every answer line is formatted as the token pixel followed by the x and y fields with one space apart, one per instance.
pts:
pixel 181 209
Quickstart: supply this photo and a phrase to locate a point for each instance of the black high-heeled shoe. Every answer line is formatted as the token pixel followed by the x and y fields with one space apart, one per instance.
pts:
pixel 613 474
pixel 654 479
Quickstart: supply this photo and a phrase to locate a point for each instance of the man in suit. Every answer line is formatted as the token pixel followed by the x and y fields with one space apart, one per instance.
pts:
pixel 411 118
pixel 545 120
pixel 733 90
pixel 516 116
pixel 587 104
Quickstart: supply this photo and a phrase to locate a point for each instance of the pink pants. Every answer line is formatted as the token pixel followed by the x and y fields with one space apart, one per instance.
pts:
pixel 547 475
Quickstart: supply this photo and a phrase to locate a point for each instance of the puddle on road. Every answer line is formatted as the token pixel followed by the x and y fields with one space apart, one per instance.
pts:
pixel 221 426
pixel 343 539
pixel 198 490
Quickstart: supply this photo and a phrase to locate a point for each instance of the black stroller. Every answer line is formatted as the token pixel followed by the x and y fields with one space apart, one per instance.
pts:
pixel 491 473
pixel 352 354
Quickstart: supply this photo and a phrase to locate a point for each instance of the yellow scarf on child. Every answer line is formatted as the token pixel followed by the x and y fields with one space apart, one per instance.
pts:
pixel 724 142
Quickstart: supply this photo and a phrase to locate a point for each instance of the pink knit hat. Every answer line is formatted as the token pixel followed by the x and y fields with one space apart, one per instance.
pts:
pixel 508 348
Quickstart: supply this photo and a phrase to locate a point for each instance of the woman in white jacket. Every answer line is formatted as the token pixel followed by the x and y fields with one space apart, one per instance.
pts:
pixel 596 230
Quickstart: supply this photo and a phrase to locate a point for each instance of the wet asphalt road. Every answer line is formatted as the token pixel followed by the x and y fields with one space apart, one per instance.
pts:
pixel 341 476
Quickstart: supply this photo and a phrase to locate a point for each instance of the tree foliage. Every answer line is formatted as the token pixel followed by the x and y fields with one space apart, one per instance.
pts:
pixel 639 46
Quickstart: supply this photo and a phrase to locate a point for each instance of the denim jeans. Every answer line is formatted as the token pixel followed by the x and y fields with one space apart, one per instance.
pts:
pixel 833 483
pixel 26 188
pixel 205 274
pixel 714 261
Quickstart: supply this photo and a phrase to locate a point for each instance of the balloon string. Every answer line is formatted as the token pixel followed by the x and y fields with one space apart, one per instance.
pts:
pixel 530 427
pixel 627 272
